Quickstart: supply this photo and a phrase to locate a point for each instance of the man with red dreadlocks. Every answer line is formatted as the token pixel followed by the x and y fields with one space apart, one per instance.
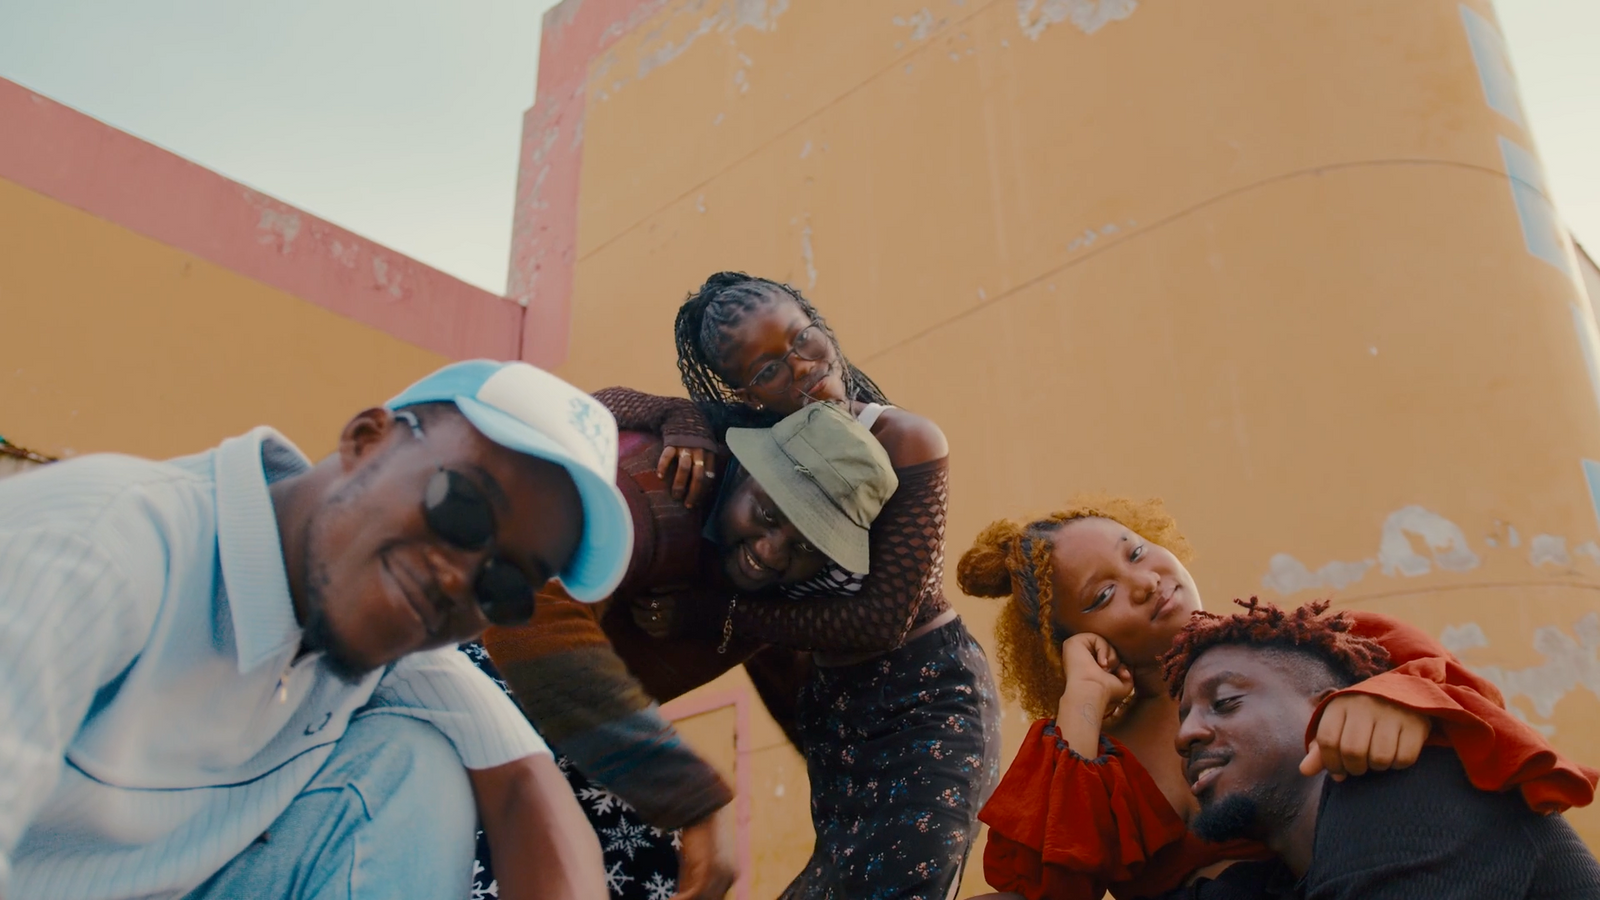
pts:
pixel 1248 687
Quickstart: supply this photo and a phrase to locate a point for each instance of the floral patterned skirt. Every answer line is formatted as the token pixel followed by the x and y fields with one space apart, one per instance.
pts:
pixel 902 751
pixel 641 861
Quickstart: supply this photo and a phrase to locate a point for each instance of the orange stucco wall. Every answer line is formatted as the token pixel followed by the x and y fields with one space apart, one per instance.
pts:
pixel 1289 266
pixel 114 342
pixel 150 306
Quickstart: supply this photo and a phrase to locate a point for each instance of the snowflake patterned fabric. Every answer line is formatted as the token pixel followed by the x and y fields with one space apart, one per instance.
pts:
pixel 902 751
pixel 641 861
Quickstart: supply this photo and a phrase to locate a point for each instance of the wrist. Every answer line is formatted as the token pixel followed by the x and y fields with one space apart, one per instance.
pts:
pixel 1081 704
pixel 1081 693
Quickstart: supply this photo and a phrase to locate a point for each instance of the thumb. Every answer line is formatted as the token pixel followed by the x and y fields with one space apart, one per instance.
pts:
pixel 1312 764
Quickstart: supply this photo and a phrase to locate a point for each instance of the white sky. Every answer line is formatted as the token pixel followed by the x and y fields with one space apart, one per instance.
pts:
pixel 401 119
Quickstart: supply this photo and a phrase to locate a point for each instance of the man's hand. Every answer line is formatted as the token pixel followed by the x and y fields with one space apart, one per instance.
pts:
pixel 706 867
pixel 1360 732
pixel 542 843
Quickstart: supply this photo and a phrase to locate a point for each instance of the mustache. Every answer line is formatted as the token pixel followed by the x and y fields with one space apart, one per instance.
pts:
pixel 1198 758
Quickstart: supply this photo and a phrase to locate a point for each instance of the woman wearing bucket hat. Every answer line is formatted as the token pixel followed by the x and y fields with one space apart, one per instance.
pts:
pixel 895 667
pixel 794 498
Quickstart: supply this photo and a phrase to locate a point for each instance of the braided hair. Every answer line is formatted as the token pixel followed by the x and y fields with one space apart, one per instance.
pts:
pixel 1017 562
pixel 702 336
pixel 1304 631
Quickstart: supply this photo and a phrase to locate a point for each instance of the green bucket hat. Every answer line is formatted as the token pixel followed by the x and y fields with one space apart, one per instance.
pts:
pixel 827 473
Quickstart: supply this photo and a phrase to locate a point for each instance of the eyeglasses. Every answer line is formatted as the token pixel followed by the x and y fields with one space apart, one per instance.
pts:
pixel 810 345
pixel 457 511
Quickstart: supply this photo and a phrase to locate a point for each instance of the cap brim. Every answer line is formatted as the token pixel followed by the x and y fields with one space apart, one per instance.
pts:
pixel 606 547
pixel 802 501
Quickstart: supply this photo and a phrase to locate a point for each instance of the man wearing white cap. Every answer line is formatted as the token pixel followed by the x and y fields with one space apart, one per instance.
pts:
pixel 233 674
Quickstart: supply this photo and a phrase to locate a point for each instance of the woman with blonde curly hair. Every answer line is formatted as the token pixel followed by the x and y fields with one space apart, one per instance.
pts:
pixel 1097 798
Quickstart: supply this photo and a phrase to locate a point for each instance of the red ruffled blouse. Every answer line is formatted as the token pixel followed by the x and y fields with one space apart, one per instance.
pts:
pixel 1064 827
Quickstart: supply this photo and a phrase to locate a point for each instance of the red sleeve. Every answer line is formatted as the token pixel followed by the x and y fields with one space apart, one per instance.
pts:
pixel 1498 750
pixel 1065 827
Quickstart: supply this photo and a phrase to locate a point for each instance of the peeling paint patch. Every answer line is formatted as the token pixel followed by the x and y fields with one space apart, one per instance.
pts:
pixel 1090 235
pixel 1088 16
pixel 345 255
pixel 389 282
pixel 1444 539
pixel 1571 661
pixel 1446 544
pixel 922 23
pixel 1591 474
pixel 1288 575
pixel 278 227
pixel 1458 639
pixel 730 16
pixel 808 254
pixel 1541 228
pixel 1549 548
pixel 1589 549
pixel 1494 65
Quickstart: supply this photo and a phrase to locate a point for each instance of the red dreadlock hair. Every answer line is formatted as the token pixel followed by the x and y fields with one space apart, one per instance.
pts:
pixel 1016 561
pixel 1265 625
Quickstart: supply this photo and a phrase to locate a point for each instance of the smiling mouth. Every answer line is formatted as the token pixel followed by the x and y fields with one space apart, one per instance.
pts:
pixel 1204 774
pixel 431 617
pixel 755 564
pixel 1164 603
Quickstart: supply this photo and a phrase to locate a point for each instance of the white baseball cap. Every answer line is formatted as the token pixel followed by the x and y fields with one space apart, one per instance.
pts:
pixel 526 409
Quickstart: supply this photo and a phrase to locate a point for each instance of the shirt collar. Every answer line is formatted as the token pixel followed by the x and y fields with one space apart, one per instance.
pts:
pixel 248 545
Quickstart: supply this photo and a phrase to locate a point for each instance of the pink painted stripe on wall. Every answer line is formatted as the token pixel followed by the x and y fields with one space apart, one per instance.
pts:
pixel 544 234
pixel 63 154
pixel 739 699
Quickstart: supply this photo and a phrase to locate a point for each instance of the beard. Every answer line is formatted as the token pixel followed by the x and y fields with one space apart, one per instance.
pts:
pixel 317 631
pixel 1251 814
pixel 318 636
pixel 1231 818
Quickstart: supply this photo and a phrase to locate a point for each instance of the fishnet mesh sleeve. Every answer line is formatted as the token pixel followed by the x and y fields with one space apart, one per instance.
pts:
pixel 679 422
pixel 904 583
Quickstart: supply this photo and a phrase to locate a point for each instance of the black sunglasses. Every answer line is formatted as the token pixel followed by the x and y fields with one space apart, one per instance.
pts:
pixel 457 511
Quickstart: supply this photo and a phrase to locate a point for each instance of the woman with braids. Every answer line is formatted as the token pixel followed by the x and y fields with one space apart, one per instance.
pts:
pixel 589 676
pixel 1097 798
pixel 897 719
